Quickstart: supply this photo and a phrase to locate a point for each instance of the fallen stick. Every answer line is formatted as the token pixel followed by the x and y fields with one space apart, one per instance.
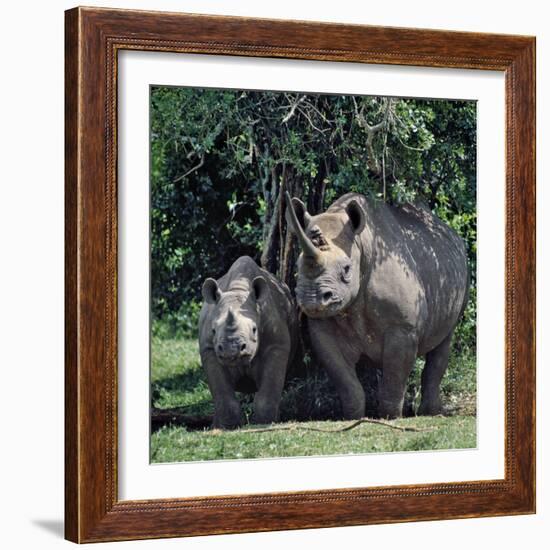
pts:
pixel 351 426
pixel 163 417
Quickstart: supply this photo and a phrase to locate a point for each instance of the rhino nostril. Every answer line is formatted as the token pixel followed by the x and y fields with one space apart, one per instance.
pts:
pixel 243 347
pixel 327 296
pixel 220 348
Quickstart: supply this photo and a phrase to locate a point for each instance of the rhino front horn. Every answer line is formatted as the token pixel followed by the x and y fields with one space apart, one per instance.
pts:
pixel 231 318
pixel 308 248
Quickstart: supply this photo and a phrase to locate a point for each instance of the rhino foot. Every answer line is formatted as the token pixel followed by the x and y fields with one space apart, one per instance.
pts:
pixel 431 408
pixel 389 410
pixel 229 417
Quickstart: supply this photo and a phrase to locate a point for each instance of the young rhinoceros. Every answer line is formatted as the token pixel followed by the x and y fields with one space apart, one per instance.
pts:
pixel 248 331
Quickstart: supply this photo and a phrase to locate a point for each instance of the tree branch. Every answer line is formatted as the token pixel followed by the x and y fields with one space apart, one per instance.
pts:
pixel 194 169
pixel 290 113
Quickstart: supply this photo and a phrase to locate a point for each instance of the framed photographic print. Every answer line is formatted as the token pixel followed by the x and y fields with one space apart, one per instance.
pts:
pixel 300 275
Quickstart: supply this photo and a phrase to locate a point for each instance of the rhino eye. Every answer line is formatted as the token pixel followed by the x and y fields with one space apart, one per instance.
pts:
pixel 213 331
pixel 346 272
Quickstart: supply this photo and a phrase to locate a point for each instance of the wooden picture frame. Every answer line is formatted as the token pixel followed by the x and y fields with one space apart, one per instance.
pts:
pixel 93 511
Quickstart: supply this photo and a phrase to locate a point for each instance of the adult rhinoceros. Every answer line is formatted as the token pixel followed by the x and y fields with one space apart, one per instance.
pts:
pixel 384 283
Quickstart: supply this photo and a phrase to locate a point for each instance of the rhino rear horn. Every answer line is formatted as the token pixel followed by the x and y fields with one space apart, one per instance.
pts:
pixel 297 223
pixel 210 291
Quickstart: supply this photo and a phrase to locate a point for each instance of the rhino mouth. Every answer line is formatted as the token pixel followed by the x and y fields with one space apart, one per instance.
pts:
pixel 321 311
pixel 243 360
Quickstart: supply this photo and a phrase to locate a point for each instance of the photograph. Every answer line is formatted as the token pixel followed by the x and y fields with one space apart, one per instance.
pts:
pixel 313 267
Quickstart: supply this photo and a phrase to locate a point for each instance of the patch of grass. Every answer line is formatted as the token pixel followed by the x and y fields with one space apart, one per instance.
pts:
pixel 178 380
pixel 459 385
pixel 175 444
pixel 177 377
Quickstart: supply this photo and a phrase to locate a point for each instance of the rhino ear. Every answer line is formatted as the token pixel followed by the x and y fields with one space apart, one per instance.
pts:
pixel 301 213
pixel 210 291
pixel 356 216
pixel 259 285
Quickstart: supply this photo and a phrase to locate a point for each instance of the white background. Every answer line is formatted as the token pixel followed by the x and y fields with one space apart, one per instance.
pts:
pixel 31 293
pixel 139 480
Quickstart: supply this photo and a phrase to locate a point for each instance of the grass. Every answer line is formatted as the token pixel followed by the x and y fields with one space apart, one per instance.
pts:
pixel 177 380
pixel 175 444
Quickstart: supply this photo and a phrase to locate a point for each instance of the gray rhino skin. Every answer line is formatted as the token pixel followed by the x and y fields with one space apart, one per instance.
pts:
pixel 248 332
pixel 383 284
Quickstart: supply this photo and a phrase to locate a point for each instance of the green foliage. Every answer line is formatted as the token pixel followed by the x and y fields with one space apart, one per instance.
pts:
pixel 464 340
pixel 219 159
pixel 182 323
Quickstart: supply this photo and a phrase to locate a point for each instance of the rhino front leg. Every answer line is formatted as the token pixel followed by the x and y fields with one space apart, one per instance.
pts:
pixel 227 409
pixel 270 376
pixel 340 367
pixel 398 356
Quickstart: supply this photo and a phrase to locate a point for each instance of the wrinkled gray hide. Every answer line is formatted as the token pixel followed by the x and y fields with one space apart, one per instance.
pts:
pixel 381 283
pixel 247 336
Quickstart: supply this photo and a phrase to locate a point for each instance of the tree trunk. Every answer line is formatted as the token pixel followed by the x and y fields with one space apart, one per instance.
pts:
pixel 270 231
pixel 316 195
pixel 289 252
pixel 280 250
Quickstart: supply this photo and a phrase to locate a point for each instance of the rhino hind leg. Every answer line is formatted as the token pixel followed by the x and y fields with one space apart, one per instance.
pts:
pixel 437 361
pixel 398 357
